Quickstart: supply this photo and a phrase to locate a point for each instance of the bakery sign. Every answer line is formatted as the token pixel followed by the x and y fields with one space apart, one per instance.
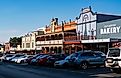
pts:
pixel 110 29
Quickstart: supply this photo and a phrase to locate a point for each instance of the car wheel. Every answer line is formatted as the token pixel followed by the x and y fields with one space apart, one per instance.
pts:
pixel 115 70
pixel 84 65
pixel 65 65
pixel 22 61
pixel 98 66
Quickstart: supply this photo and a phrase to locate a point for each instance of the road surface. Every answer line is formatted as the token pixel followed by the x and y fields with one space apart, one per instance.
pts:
pixel 8 70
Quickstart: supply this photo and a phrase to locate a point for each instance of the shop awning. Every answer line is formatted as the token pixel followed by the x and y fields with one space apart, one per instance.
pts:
pixel 96 41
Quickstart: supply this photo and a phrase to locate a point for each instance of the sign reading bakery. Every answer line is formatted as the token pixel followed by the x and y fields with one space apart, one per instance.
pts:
pixel 110 29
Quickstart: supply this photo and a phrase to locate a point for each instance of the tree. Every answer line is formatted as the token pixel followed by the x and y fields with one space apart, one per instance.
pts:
pixel 15 41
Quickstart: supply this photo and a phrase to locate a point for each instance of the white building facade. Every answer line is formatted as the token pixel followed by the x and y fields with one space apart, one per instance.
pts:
pixel 29 41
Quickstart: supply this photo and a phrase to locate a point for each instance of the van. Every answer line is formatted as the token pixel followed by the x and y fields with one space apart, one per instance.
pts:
pixel 113 59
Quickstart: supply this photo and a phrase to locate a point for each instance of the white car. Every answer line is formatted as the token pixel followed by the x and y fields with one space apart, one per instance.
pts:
pixel 23 59
pixel 15 57
pixel 113 59
pixel 7 57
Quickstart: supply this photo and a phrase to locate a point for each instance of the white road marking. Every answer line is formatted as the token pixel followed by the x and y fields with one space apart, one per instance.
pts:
pixel 107 75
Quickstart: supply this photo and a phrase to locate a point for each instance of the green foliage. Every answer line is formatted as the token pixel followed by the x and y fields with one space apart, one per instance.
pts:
pixel 15 41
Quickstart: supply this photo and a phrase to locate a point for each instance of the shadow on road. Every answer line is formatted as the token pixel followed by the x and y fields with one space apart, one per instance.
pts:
pixel 51 72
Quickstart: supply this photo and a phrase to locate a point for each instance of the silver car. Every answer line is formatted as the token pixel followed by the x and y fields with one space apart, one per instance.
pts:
pixel 91 58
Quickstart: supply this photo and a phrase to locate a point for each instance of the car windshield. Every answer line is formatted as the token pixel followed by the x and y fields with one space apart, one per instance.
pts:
pixel 44 56
pixel 9 55
pixel 23 56
pixel 100 54
pixel 29 56
pixel 54 56
pixel 114 53
pixel 68 57
pixel 18 55
pixel 71 56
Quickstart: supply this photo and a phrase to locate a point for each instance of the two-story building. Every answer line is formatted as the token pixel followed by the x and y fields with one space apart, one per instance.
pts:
pixel 90 30
pixel 59 38
pixel 98 31
pixel 7 47
pixel 2 48
pixel 29 41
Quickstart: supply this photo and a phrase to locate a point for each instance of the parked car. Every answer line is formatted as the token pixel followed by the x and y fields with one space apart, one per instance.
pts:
pixel 7 57
pixel 89 58
pixel 35 60
pixel 113 60
pixel 2 55
pixel 56 57
pixel 23 59
pixel 15 57
pixel 65 62
pixel 42 60
pixel 30 59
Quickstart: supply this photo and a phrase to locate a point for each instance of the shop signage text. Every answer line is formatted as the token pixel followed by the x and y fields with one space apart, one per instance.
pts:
pixel 109 29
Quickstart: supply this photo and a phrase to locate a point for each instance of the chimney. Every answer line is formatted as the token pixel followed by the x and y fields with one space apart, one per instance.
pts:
pixel 52 19
pixel 46 26
pixel 64 22
pixel 90 7
pixel 70 20
pixel 56 20
pixel 62 26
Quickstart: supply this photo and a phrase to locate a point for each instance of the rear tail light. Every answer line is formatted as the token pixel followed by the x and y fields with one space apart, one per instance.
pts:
pixel 109 60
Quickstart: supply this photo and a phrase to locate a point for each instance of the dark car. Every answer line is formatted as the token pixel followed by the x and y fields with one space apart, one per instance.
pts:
pixel 29 60
pixel 51 60
pixel 34 60
pixel 42 60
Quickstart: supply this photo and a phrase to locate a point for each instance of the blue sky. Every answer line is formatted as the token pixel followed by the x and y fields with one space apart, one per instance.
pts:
pixel 18 17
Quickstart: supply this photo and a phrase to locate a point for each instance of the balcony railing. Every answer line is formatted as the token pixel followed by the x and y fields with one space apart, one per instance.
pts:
pixel 71 38
pixel 47 39
pixel 67 38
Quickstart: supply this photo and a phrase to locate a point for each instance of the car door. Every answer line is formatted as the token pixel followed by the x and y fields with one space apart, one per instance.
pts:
pixel 90 57
pixel 99 58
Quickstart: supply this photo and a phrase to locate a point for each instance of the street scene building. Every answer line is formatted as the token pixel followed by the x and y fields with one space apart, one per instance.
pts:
pixel 29 41
pixel 89 31
pixel 98 31
pixel 7 47
pixel 59 38
pixel 2 48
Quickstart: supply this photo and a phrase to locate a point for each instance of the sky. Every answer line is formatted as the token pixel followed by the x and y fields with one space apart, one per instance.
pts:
pixel 18 17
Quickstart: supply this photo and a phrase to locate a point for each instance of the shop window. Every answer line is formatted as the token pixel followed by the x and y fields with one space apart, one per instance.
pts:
pixel 23 45
pixel 27 45
pixel 32 44
pixel 59 50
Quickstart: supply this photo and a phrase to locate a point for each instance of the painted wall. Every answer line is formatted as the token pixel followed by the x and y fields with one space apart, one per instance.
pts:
pixel 7 47
pixel 28 42
pixel 87 23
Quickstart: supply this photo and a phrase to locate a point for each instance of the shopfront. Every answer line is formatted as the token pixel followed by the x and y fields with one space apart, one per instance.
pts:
pixel 109 29
pixel 105 30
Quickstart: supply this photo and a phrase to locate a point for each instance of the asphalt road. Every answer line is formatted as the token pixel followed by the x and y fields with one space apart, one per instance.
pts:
pixel 8 70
